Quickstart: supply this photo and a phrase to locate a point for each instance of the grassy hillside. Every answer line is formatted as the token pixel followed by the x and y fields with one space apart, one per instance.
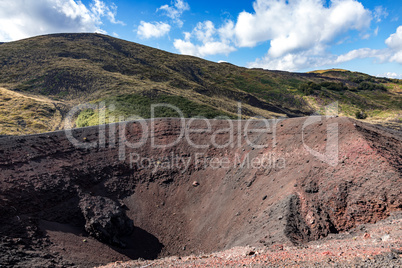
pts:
pixel 134 106
pixel 20 114
pixel 68 69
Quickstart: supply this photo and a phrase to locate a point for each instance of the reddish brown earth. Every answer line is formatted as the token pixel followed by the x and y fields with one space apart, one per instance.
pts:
pixel 46 183
pixel 370 245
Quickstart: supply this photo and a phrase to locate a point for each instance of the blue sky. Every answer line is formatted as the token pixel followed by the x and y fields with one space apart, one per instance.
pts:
pixel 292 35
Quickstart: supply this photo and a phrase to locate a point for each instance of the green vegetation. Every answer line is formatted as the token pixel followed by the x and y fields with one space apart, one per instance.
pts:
pixel 135 106
pixel 371 86
pixel 309 88
pixel 361 115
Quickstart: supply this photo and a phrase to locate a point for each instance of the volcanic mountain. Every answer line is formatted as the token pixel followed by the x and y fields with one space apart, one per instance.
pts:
pixel 42 78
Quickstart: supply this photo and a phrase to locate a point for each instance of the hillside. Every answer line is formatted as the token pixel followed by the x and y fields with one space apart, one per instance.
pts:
pixel 69 69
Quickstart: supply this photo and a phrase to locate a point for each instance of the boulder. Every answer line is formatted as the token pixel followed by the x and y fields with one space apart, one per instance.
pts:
pixel 105 219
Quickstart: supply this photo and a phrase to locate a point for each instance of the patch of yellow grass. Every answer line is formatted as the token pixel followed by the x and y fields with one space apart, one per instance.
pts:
pixel 21 114
pixel 328 70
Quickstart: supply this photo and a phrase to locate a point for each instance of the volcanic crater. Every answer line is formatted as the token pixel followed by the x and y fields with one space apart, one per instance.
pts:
pixel 163 187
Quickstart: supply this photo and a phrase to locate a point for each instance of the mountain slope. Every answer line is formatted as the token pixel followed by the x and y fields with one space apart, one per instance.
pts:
pixel 71 69
pixel 22 113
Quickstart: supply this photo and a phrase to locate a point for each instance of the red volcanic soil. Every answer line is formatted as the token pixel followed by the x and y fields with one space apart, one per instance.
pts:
pixel 117 194
pixel 369 245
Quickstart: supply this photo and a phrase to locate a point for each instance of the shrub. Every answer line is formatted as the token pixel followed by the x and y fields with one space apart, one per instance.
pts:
pixel 334 86
pixel 361 115
pixel 309 87
pixel 371 86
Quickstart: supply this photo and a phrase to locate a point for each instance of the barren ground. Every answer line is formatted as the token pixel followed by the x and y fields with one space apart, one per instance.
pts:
pixel 277 210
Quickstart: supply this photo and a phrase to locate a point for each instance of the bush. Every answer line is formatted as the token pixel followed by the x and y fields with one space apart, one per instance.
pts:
pixel 361 115
pixel 361 79
pixel 371 86
pixel 309 87
pixel 334 86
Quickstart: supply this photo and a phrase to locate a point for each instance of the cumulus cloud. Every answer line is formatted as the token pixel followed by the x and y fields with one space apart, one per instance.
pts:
pixel 299 31
pixel 175 10
pixel 227 32
pixel 395 39
pixel 307 28
pixel 360 53
pixel 205 31
pixel 390 75
pixel 210 48
pixel 207 40
pixel 298 24
pixel 306 59
pixel 21 19
pixel 100 9
pixel 292 62
pixel 156 29
pixel 394 42
pixel 393 52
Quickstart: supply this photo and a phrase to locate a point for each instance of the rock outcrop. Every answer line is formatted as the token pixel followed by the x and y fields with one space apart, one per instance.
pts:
pixel 105 219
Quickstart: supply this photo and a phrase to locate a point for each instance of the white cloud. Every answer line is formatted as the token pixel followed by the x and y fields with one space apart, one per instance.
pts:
pixel 299 26
pixel 210 48
pixel 205 31
pixel 376 31
pixel 213 41
pixel 21 19
pixel 358 54
pixel 394 42
pixel 392 53
pixel 227 32
pixel 175 10
pixel 299 32
pixel 293 61
pixel 390 75
pixel 305 59
pixel 156 29
pixel 380 13
pixel 397 57
pixel 100 9
pixel 303 21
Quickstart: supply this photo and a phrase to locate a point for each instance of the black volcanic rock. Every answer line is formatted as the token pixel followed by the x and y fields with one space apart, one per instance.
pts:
pixel 105 219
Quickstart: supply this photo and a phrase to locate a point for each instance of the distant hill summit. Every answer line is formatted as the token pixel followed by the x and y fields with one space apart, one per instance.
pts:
pixel 328 70
pixel 56 72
